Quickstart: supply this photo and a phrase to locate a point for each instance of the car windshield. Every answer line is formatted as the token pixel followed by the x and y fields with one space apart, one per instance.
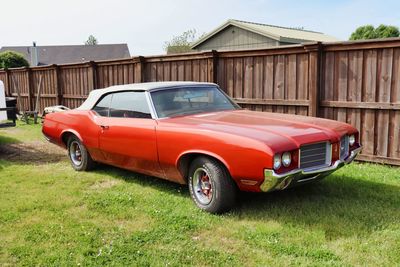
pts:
pixel 190 100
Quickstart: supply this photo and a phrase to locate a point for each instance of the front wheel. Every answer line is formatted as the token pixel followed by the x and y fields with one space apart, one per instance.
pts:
pixel 78 155
pixel 211 186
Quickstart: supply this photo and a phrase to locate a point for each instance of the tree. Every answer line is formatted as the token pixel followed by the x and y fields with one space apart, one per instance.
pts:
pixel 369 32
pixel 91 40
pixel 387 31
pixel 11 59
pixel 181 43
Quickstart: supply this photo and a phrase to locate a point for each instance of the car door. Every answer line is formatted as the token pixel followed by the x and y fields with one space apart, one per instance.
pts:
pixel 127 135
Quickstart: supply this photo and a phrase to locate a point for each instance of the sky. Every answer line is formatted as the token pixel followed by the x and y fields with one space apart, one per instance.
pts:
pixel 146 25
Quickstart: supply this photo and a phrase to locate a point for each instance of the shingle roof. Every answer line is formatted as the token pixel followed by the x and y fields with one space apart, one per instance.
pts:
pixel 282 34
pixel 60 54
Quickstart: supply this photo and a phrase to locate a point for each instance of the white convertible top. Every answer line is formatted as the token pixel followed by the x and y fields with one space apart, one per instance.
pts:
pixel 96 94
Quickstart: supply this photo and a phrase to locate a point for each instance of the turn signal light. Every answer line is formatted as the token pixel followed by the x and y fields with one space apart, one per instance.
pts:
pixel 335 152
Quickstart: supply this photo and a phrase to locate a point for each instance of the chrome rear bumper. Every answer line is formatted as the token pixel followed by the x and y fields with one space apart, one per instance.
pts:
pixel 274 181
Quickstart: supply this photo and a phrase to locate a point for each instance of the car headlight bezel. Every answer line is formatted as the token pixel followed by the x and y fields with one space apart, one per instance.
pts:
pixel 277 161
pixel 286 159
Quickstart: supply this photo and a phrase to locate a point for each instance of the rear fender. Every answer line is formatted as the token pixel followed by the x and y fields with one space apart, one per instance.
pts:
pixel 69 131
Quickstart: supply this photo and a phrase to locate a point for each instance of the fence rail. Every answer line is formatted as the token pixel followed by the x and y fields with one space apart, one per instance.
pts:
pixel 353 82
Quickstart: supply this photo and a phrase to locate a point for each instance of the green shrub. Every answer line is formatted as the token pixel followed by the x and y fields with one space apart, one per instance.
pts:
pixel 369 32
pixel 10 59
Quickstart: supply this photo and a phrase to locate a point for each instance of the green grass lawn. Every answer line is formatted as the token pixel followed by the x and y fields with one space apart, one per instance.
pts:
pixel 22 133
pixel 51 215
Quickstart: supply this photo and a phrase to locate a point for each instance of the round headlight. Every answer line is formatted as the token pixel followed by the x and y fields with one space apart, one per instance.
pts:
pixel 286 159
pixel 352 140
pixel 277 161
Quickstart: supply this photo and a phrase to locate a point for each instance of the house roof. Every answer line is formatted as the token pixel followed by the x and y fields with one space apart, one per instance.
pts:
pixel 61 54
pixel 282 34
pixel 96 94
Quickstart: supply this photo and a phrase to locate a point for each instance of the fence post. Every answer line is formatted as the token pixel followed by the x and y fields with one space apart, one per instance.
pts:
pixel 212 75
pixel 59 95
pixel 314 76
pixel 31 94
pixel 7 83
pixel 142 69
pixel 93 70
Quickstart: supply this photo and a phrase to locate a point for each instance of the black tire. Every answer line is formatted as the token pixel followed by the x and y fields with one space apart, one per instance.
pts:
pixel 218 198
pixel 84 162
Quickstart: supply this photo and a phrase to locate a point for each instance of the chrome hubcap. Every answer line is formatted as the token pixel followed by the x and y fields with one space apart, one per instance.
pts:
pixel 75 153
pixel 202 186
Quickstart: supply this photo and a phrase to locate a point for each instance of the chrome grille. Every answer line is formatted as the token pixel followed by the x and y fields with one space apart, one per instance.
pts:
pixel 315 155
pixel 344 147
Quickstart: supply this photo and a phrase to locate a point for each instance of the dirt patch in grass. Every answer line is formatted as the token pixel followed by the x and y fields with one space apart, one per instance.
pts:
pixel 104 184
pixel 35 152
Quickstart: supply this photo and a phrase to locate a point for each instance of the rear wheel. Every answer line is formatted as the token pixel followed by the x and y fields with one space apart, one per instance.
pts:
pixel 78 155
pixel 211 186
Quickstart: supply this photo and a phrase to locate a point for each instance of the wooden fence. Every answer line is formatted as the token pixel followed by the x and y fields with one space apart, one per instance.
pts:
pixel 354 82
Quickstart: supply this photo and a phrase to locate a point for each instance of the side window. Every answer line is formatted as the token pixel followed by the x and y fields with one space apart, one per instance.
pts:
pixel 129 105
pixel 102 108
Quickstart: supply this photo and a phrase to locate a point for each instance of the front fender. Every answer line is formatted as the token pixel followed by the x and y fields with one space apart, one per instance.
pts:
pixel 203 152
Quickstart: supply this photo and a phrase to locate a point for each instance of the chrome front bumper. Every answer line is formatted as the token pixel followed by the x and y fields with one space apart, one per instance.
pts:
pixel 274 181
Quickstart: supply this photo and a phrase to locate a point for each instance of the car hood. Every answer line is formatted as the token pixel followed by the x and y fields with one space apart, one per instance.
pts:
pixel 270 128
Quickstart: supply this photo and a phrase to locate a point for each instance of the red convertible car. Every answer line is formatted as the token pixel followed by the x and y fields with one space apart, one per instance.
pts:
pixel 193 133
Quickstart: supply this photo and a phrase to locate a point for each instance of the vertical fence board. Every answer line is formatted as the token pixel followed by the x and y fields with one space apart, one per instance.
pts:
pixel 230 77
pixel 258 78
pixel 291 81
pixel 394 132
pixel 248 77
pixel 181 71
pixel 355 86
pixel 327 91
pixel 188 70
pixel 384 83
pixel 268 80
pixel 369 90
pixel 342 68
pixel 302 81
pixel 238 78
pixel 221 75
pixel 203 70
pixel 279 79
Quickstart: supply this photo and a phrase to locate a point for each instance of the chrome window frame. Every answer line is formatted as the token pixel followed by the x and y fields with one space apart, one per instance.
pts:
pixel 153 108
pixel 146 94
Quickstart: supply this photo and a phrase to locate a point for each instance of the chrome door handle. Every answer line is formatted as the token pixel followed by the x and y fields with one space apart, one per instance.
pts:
pixel 104 127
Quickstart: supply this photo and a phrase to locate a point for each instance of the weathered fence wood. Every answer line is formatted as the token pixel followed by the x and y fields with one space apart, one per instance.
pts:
pixel 354 82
